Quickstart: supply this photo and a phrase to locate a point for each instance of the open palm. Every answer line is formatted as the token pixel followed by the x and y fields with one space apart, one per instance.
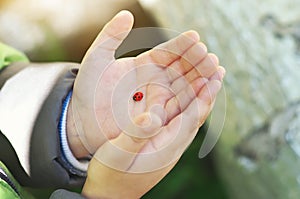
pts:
pixel 179 80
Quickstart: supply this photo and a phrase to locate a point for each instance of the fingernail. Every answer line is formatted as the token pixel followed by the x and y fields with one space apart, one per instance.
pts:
pixel 222 72
pixel 214 59
pixel 203 46
pixel 192 35
pixel 219 74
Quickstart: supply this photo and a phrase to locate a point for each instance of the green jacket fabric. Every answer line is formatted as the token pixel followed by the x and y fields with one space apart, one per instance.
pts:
pixel 9 187
pixel 9 55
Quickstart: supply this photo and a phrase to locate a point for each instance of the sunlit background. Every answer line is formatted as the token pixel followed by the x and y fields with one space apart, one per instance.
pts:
pixel 258 42
pixel 59 29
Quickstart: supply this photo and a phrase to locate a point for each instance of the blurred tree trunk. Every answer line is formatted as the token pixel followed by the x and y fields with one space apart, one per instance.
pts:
pixel 258 42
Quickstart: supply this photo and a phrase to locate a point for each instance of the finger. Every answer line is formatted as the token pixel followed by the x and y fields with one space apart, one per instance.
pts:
pixel 185 90
pixel 181 130
pixel 208 65
pixel 209 70
pixel 209 92
pixel 167 146
pixel 127 145
pixel 193 56
pixel 185 66
pixel 219 75
pixel 166 53
pixel 181 83
pixel 183 98
pixel 206 68
pixel 111 36
pixel 100 55
pixel 194 115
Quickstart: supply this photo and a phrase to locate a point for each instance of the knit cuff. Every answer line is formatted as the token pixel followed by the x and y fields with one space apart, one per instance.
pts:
pixel 74 165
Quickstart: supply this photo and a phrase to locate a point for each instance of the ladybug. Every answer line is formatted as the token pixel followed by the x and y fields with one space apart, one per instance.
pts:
pixel 138 96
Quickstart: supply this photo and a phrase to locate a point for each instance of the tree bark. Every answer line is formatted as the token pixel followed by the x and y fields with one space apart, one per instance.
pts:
pixel 258 42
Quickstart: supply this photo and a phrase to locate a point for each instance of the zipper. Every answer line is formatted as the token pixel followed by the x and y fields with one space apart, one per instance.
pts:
pixel 4 177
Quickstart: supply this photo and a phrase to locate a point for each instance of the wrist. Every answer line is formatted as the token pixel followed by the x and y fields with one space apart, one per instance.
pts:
pixel 75 144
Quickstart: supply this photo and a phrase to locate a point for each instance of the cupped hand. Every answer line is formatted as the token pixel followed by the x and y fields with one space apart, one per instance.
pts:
pixel 139 141
pixel 170 76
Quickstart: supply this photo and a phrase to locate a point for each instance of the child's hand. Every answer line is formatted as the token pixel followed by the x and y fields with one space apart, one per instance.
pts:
pixel 175 77
pixel 129 165
pixel 138 142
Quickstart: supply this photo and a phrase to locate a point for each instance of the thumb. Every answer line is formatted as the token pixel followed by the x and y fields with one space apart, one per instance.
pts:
pixel 111 36
pixel 98 58
pixel 121 152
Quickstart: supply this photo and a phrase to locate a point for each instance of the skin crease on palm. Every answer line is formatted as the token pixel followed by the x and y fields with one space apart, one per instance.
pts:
pixel 144 139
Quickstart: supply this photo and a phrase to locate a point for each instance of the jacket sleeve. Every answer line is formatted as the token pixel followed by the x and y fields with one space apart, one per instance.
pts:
pixel 31 101
pixel 63 194
pixel 10 188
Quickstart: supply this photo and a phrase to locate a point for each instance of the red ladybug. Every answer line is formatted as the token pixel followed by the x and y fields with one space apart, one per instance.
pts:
pixel 138 96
